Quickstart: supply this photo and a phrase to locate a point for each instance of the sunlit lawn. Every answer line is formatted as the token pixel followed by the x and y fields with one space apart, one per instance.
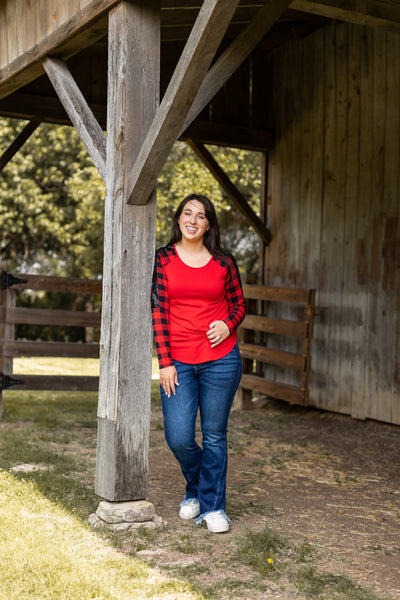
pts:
pixel 47 550
pixel 63 366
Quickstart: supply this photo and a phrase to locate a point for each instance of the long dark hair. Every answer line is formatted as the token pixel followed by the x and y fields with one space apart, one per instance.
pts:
pixel 211 237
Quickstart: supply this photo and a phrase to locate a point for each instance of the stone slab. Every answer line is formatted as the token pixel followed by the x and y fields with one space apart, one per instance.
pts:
pixel 137 511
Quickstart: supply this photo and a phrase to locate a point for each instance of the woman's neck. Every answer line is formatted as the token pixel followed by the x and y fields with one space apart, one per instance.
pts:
pixel 193 254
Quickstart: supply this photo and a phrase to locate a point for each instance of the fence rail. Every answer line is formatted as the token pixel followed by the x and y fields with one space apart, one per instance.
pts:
pixel 11 315
pixel 256 333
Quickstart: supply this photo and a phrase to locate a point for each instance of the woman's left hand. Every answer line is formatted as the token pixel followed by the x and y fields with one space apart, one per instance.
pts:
pixel 217 333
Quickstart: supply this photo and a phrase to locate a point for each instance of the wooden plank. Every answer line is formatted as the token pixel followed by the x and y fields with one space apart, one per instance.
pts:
pixel 234 196
pixel 55 382
pixel 40 316
pixel 195 60
pixel 60 349
pixel 340 353
pixel 387 60
pixel 233 57
pixel 331 239
pixel 375 358
pixel 17 144
pixel 273 389
pixel 275 294
pixel 276 326
pixel 351 366
pixel 373 13
pixel 314 64
pixel 58 284
pixel 7 302
pixel 126 333
pixel 210 132
pixel 361 395
pixel 185 4
pixel 29 106
pixel 80 31
pixel 394 58
pixel 278 358
pixel 78 110
pixel 3 36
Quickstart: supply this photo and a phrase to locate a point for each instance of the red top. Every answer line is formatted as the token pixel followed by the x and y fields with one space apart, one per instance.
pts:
pixel 185 300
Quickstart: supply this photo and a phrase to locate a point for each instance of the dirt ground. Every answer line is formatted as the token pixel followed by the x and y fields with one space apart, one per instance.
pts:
pixel 304 473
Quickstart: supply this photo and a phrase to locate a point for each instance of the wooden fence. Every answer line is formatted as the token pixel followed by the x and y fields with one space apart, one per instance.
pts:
pixel 259 333
pixel 10 348
pixel 256 333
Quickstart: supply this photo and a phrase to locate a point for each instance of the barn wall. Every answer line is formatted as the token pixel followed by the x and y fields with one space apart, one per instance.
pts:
pixel 333 207
pixel 23 24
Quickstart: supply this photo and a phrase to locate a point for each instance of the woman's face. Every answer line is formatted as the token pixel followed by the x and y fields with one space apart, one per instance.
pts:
pixel 193 222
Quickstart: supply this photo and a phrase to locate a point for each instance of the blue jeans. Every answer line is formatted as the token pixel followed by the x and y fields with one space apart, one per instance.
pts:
pixel 209 388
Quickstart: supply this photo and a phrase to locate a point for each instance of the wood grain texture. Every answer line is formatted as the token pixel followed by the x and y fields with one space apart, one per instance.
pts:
pixel 199 51
pixel 126 332
pixel 347 182
pixel 78 110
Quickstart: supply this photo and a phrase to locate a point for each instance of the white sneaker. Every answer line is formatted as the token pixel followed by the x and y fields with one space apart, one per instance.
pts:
pixel 217 522
pixel 189 509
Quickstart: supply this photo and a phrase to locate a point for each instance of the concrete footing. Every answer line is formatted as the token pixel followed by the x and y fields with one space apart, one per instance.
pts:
pixel 122 516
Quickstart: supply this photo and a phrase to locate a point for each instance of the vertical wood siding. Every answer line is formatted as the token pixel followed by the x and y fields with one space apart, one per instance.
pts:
pixel 35 21
pixel 333 207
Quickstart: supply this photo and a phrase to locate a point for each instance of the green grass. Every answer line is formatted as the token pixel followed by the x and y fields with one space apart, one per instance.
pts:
pixel 275 557
pixel 47 550
pixel 46 553
pixel 321 586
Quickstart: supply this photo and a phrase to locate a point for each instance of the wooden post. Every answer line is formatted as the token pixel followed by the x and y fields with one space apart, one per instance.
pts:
pixel 126 333
pixel 7 331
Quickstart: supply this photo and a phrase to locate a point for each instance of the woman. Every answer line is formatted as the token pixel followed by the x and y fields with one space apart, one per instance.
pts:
pixel 197 304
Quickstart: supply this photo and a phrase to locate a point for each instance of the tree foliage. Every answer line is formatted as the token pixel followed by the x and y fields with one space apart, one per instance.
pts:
pixel 51 204
pixel 52 199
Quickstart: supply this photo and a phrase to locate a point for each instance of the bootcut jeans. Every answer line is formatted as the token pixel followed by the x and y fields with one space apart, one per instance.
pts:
pixel 208 388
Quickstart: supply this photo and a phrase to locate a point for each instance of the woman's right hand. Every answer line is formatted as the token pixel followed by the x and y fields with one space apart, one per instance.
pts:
pixel 169 380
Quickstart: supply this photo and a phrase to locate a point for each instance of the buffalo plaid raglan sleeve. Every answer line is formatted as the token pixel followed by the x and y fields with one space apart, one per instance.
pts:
pixel 234 295
pixel 160 309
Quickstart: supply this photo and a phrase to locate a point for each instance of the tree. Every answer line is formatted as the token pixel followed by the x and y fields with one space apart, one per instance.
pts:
pixel 51 204
pixel 52 199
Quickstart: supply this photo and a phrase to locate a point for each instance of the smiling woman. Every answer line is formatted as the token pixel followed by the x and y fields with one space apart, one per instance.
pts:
pixel 197 304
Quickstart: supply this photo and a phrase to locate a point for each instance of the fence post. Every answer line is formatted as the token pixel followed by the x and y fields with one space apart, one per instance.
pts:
pixel 7 331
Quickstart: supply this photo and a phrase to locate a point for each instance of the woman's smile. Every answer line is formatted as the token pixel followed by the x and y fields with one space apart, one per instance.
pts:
pixel 193 222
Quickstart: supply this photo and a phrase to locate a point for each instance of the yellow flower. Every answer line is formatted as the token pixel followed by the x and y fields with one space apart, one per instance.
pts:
pixel 270 561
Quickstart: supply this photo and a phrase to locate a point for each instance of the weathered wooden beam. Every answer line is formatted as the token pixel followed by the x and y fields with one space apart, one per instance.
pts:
pixel 67 349
pixel 235 197
pixel 78 110
pixel 233 56
pixel 384 15
pixel 195 60
pixel 22 105
pixel 79 383
pixel 228 134
pixel 126 332
pixel 80 31
pixel 19 141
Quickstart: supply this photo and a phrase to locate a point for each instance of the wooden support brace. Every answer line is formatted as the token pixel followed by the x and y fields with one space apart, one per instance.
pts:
pixel 233 57
pixel 206 35
pixel 235 197
pixel 384 15
pixel 78 111
pixel 18 142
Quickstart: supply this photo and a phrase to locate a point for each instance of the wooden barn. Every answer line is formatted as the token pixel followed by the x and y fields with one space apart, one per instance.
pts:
pixel 315 86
